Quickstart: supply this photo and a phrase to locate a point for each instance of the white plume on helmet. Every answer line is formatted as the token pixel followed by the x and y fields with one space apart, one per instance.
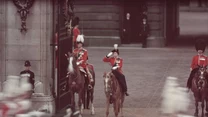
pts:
pixel 80 38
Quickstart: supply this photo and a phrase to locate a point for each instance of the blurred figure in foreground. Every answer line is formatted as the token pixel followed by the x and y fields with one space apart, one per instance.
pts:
pixel 175 99
pixel 16 96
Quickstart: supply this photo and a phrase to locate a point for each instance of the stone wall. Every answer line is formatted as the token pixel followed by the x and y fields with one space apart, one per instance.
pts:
pixel 100 21
pixel 2 41
pixel 156 19
pixel 16 47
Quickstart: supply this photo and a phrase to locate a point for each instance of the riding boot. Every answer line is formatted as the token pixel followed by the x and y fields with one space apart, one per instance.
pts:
pixel 124 85
pixel 122 81
pixel 189 83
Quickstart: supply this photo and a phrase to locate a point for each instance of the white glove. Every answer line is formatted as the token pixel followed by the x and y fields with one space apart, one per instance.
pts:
pixel 115 67
pixel 78 63
pixel 190 69
pixel 109 54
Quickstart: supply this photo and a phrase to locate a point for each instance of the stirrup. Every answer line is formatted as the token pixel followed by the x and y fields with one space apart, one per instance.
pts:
pixel 89 86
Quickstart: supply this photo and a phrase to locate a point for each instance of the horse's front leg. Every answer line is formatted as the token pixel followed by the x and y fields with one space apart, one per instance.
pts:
pixel 107 105
pixel 122 101
pixel 116 107
pixel 72 102
pixel 196 106
pixel 80 101
pixel 202 105
pixel 206 107
pixel 92 105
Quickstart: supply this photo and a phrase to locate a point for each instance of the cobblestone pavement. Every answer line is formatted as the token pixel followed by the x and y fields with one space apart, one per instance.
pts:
pixel 145 71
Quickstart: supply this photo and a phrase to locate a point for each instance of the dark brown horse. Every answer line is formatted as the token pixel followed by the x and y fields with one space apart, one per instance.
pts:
pixel 199 89
pixel 89 93
pixel 114 94
pixel 76 82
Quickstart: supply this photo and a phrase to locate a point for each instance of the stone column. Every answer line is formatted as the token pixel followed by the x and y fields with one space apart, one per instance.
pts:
pixel 34 45
pixel 156 21
pixel 2 42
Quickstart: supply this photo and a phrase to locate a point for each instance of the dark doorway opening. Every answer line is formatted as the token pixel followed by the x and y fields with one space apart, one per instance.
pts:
pixel 132 25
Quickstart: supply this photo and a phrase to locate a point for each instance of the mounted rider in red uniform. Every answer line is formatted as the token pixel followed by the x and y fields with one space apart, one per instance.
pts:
pixel 198 60
pixel 117 63
pixel 82 56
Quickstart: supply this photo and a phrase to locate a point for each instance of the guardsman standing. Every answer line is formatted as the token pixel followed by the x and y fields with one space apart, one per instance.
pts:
pixel 31 74
pixel 127 29
pixel 198 60
pixel 144 32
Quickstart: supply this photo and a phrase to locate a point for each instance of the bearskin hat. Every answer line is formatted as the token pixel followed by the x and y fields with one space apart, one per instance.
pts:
pixel 115 48
pixel 200 44
pixel 75 21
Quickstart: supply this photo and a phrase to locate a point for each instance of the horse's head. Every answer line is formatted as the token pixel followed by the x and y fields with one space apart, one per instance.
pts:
pixel 72 59
pixel 108 81
pixel 201 79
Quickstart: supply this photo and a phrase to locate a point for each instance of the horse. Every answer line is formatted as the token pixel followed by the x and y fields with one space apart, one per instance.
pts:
pixel 78 84
pixel 75 82
pixel 89 93
pixel 199 89
pixel 114 94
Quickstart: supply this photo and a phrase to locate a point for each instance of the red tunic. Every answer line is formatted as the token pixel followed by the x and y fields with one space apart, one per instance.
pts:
pixel 115 62
pixel 82 56
pixel 198 60
pixel 76 32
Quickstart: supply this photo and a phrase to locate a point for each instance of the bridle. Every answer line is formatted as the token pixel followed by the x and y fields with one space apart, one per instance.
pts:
pixel 201 77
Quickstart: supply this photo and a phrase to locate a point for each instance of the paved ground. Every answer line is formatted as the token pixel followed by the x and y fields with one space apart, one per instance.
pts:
pixel 146 71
